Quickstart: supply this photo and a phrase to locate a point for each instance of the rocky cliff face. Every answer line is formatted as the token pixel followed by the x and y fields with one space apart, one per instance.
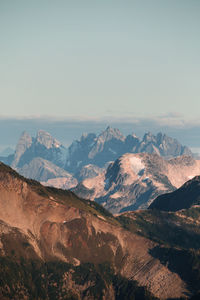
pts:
pixel 162 145
pixel 88 171
pixel 23 145
pixel 45 159
pixel 56 240
pixel 48 173
pixel 134 180
pixel 43 146
pixel 110 144
pixel 91 150
pixel 96 150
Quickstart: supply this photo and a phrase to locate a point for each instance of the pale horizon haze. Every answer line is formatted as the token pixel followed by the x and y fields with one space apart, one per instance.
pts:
pixel 97 59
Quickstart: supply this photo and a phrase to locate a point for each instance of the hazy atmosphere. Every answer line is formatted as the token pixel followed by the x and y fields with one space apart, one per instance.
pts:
pixel 99 149
pixel 95 59
pixel 77 66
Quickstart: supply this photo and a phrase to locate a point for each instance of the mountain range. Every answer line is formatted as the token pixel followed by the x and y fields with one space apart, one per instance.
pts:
pixel 99 166
pixel 55 245
pixel 110 144
pixel 91 149
pixel 44 146
pixel 133 181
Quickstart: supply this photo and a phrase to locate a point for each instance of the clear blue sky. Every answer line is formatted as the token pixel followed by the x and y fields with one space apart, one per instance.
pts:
pixel 99 58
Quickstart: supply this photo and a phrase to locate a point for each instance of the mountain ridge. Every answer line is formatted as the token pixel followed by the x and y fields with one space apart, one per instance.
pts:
pixel 133 181
pixel 91 148
pixel 110 144
pixel 45 159
pixel 55 226
pixel 185 197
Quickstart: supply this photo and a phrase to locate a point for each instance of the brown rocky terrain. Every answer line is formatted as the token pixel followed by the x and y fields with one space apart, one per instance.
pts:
pixel 42 225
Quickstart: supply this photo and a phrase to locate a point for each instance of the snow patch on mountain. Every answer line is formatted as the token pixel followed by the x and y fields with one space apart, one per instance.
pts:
pixel 116 195
pixel 133 181
pixel 136 164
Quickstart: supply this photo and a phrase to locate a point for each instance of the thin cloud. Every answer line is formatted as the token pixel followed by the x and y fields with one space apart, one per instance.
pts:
pixel 169 120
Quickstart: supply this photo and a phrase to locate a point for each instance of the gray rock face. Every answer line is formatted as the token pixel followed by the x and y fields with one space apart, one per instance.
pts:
pixel 42 170
pixel 23 145
pixel 78 153
pixel 43 146
pixel 48 174
pixel 111 137
pixel 110 144
pixel 88 171
pixel 162 145
pixel 45 139
pixel 134 180
pixel 96 150
pixel 85 158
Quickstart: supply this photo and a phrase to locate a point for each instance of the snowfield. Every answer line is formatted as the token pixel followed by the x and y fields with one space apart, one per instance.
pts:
pixel 136 164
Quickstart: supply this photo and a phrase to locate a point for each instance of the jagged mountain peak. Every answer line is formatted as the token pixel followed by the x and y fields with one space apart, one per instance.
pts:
pixel 134 135
pixel 110 133
pixel 25 140
pixel 132 140
pixel 43 145
pixel 161 135
pixel 25 135
pixel 162 145
pixel 149 137
pixel 24 143
pixel 111 144
pixel 45 138
pixel 108 144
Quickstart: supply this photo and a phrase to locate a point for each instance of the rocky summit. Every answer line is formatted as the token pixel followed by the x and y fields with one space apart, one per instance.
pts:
pixel 94 151
pixel 120 172
pixel 43 146
pixel 111 143
pixel 55 245
pixel 133 181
